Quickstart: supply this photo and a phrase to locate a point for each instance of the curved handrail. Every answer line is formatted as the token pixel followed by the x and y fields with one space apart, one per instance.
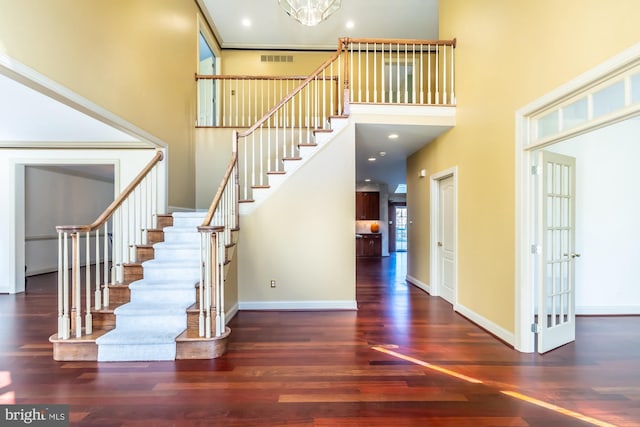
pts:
pixel 108 212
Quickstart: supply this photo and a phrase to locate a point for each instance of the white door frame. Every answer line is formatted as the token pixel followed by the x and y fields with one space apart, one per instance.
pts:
pixel 525 147
pixel 434 269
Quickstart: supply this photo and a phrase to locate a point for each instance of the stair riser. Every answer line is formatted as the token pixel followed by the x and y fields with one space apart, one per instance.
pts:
pixel 144 254
pixel 191 222
pixel 164 220
pixel 136 352
pixel 180 296
pixel 154 236
pixel 163 253
pixel 187 274
pixel 183 238
pixel 119 295
pixel 149 322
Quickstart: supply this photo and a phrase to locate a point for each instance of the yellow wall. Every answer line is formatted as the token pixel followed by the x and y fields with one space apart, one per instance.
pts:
pixel 247 62
pixel 135 58
pixel 509 53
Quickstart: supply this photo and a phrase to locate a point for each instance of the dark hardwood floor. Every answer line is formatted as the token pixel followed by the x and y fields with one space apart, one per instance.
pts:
pixel 403 359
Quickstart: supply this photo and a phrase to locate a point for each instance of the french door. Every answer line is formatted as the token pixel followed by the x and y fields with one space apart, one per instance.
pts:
pixel 556 250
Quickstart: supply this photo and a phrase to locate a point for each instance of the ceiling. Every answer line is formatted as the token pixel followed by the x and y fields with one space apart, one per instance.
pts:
pixel 272 28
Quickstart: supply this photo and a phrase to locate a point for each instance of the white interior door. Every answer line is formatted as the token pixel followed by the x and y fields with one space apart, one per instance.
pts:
pixel 556 237
pixel 446 239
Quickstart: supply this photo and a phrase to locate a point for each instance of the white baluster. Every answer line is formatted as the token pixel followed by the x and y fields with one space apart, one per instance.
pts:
pixel 413 74
pixel 453 96
pixel 437 76
pixel 421 76
pixel 406 75
pixel 203 267
pixel 366 58
pixel 98 292
pixel 62 329
pixel 105 289
pixel 375 72
pixel 444 74
pixel 429 100
pixel 88 320
pixel 77 290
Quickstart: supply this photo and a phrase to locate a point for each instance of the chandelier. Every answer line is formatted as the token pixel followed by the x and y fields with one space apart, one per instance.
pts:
pixel 310 12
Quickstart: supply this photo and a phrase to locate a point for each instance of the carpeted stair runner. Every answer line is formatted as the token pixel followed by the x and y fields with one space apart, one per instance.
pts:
pixel 147 326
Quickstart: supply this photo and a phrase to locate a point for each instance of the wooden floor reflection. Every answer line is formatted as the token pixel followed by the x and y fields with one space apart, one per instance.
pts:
pixel 326 368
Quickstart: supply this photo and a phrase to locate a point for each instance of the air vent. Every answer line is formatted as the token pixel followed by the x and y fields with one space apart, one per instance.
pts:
pixel 276 58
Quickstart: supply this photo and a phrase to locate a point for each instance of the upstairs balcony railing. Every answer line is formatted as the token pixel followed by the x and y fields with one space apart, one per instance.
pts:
pixel 380 71
pixel 281 118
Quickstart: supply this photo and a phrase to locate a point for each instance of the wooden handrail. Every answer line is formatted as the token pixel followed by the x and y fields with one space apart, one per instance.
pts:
pixel 116 203
pixel 247 77
pixel 294 92
pixel 452 42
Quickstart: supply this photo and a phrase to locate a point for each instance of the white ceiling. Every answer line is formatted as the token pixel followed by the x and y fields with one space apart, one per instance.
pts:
pixel 272 28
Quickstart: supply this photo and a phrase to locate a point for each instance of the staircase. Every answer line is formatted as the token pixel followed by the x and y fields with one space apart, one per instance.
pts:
pixel 151 315
pixel 148 325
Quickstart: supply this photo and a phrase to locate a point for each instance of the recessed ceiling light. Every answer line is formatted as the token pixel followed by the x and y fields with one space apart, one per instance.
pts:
pixel 393 136
pixel 383 153
pixel 372 159
pixel 367 180
pixel 246 22
pixel 350 24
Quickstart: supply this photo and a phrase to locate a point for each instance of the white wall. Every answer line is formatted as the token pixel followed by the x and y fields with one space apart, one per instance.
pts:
pixel 607 212
pixel 45 209
pixel 302 236
pixel 127 164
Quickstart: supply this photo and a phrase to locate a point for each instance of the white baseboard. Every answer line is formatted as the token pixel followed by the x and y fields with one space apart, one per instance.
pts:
pixel 417 283
pixel 604 310
pixel 231 313
pixel 486 324
pixel 298 305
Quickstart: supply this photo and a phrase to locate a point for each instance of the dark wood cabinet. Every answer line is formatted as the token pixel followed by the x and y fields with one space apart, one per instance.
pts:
pixel 369 245
pixel 367 205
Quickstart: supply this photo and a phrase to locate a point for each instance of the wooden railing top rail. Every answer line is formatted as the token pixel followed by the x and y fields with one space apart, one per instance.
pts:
pixel 108 212
pixel 247 77
pixel 347 40
pixel 293 93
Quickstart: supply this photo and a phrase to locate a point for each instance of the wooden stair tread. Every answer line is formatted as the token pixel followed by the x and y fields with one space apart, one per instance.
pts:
pixel 276 173
pixel 322 130
pixel 189 335
pixel 246 201
pixel 312 144
pixel 83 339
pixel 291 158
pixel 260 186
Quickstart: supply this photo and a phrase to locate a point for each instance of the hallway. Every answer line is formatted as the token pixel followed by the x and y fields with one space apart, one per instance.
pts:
pixel 403 359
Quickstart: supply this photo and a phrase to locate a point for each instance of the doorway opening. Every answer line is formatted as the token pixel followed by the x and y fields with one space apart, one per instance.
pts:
pixel 606 95
pixel 401 228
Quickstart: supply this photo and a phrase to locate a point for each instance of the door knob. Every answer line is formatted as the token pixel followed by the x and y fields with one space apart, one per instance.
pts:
pixel 573 255
pixel 440 244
